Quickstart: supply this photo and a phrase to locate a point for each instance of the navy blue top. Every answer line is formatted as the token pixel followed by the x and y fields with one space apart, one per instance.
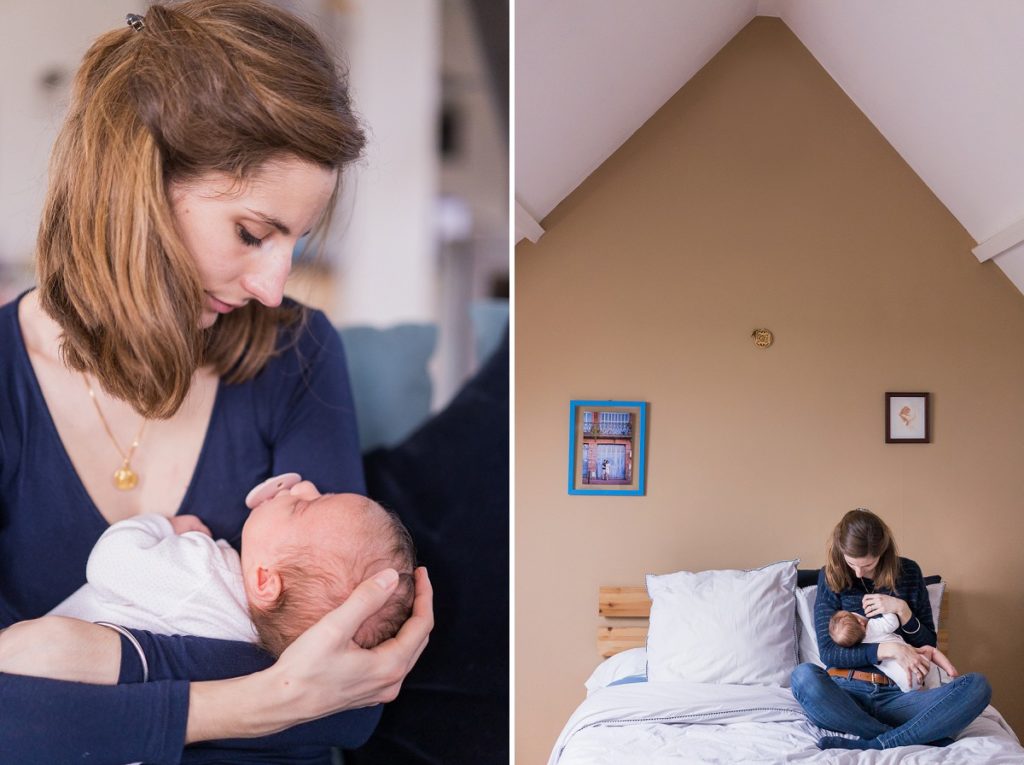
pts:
pixel 918 631
pixel 296 415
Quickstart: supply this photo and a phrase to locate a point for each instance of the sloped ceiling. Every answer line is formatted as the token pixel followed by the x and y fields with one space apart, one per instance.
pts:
pixel 942 80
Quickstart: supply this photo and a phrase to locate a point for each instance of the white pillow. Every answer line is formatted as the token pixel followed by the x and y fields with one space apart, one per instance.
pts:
pixel 735 627
pixel 622 664
pixel 935 592
pixel 805 597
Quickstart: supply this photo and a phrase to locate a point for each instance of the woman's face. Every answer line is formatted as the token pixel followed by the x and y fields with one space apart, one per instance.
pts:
pixel 242 238
pixel 862 567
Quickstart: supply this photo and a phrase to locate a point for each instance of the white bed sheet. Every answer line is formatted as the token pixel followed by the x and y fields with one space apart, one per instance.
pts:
pixel 675 722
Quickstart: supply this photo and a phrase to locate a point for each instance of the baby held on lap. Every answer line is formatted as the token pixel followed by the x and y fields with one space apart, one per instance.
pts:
pixel 302 555
pixel 847 629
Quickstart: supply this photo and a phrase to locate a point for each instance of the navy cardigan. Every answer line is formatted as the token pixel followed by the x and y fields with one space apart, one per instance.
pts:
pixel 296 415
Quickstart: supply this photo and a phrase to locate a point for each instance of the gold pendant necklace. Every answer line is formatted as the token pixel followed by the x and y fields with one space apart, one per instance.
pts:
pixel 125 479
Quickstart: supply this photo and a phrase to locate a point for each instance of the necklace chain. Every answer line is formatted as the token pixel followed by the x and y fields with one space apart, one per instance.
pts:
pixel 125 479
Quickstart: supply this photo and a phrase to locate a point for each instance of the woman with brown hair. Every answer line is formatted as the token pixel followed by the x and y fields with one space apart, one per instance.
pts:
pixel 864 574
pixel 158 368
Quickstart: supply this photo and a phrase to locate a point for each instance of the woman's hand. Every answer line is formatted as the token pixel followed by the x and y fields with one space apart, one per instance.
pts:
pixel 877 604
pixel 334 673
pixel 322 672
pixel 913 660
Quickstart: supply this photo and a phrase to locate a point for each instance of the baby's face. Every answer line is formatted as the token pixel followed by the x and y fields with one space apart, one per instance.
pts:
pixel 296 516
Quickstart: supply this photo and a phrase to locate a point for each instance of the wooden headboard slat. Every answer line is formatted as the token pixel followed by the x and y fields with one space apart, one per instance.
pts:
pixel 624 601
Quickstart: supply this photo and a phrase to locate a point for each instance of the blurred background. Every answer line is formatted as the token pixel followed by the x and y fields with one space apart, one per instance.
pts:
pixel 415 269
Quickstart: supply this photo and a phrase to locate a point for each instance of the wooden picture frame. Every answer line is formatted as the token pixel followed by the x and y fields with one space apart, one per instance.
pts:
pixel 607 447
pixel 908 418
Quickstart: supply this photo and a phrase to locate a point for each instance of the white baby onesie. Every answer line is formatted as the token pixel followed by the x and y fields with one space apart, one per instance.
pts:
pixel 142 575
pixel 882 629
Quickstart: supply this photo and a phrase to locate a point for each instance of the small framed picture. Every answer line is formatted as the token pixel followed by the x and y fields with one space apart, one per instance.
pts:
pixel 607 447
pixel 906 418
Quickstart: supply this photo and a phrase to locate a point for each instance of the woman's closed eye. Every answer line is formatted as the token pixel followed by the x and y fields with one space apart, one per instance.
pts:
pixel 248 239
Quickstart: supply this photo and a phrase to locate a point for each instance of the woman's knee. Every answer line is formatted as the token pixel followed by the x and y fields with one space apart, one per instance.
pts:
pixel 979 689
pixel 805 679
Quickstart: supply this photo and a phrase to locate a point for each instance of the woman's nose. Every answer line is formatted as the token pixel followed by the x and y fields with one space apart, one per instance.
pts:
pixel 265 281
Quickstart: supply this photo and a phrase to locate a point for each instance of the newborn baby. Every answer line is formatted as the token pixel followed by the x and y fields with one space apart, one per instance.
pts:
pixel 302 555
pixel 848 629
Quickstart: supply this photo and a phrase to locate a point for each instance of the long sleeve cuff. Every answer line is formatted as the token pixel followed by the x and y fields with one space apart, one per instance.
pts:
pixel 913 625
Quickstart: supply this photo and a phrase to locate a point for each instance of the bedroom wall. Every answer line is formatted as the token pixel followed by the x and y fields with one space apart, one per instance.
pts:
pixel 759 196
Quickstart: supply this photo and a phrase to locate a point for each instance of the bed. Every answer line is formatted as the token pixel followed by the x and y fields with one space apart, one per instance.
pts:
pixel 673 706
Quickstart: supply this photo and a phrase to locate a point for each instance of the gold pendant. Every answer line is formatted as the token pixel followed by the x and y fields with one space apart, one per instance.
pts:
pixel 125 478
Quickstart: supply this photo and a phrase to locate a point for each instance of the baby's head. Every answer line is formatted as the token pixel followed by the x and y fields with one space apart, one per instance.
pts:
pixel 304 552
pixel 847 628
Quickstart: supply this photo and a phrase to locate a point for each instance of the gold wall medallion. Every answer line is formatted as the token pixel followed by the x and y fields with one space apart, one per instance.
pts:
pixel 762 337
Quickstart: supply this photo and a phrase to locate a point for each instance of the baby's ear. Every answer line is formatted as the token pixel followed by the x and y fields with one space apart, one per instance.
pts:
pixel 266 586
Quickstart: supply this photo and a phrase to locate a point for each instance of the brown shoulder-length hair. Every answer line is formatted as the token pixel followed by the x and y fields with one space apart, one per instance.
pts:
pixel 861 534
pixel 205 86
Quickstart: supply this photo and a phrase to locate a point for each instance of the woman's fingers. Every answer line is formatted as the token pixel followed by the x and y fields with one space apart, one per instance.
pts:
pixel 921 663
pixel 329 672
pixel 365 600
pixel 413 636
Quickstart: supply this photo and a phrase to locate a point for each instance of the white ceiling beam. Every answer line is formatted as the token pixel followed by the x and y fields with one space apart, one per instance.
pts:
pixel 527 226
pixel 1009 238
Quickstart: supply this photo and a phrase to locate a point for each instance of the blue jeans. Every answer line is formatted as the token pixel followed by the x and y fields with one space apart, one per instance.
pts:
pixel 886 713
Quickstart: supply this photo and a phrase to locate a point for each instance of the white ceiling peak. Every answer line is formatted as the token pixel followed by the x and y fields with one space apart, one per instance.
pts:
pixel 942 80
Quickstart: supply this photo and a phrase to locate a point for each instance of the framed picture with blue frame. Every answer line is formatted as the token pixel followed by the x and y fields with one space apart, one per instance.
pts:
pixel 607 447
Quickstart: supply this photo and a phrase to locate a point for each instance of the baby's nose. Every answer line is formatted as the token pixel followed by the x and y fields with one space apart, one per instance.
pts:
pixel 271 488
pixel 305 490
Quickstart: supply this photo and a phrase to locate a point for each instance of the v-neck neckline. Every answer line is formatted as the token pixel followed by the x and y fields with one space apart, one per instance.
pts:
pixel 37 391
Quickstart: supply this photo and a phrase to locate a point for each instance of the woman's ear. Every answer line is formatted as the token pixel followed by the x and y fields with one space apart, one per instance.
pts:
pixel 265 586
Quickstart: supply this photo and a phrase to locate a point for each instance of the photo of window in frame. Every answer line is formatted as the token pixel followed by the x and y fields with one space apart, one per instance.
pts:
pixel 607 447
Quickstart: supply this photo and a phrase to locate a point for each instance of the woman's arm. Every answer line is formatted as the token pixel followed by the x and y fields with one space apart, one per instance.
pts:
pixel 914 609
pixel 322 672
pixel 49 721
pixel 827 603
pixel 919 628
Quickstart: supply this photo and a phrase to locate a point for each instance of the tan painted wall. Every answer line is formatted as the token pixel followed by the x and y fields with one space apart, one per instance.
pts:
pixel 759 196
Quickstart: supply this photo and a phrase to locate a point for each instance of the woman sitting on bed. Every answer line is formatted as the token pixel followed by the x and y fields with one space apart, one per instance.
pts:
pixel 864 574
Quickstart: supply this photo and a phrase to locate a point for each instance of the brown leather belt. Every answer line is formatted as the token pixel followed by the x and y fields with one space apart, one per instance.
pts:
pixel 868 677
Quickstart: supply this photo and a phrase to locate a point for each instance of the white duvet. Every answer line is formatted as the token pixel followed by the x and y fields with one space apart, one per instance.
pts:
pixel 676 723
